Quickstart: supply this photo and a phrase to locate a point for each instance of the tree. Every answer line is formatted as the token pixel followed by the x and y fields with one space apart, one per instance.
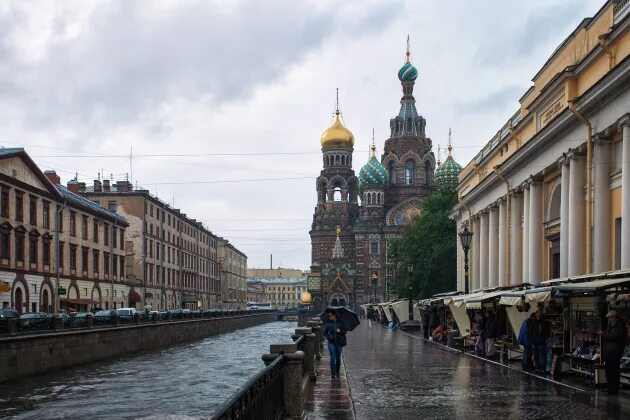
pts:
pixel 430 244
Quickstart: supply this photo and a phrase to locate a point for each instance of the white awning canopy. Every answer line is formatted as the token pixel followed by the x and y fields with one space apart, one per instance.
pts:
pixel 592 286
pixel 476 301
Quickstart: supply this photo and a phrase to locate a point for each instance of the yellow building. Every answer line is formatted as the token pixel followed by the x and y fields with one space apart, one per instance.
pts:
pixel 547 195
pixel 283 293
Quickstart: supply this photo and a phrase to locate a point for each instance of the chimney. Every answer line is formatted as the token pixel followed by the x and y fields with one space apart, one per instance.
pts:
pixel 106 185
pixel 123 186
pixel 53 177
pixel 98 187
pixel 73 185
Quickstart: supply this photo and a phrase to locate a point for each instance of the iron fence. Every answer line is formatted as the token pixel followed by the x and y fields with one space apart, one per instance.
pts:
pixel 261 398
pixel 38 322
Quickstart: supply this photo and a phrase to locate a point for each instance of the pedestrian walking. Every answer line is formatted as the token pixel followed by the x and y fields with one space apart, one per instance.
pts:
pixel 335 334
pixel 614 341
pixel 538 335
pixel 524 340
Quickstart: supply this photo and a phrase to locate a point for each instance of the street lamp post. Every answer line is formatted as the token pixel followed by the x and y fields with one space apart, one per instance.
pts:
pixel 410 270
pixel 465 237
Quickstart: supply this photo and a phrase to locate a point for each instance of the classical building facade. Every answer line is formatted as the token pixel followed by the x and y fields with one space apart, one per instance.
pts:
pixel 549 195
pixel 350 240
pixel 281 292
pixel 172 259
pixel 58 250
pixel 233 264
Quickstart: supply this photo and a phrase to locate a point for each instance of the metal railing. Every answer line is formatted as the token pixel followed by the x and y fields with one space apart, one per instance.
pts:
pixel 260 398
pixel 35 323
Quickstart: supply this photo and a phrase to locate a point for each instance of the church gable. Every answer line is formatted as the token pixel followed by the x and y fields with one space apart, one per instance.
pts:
pixel 339 286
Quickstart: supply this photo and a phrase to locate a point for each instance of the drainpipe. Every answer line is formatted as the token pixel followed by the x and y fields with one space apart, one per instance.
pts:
pixel 589 183
pixel 508 206
pixel 57 229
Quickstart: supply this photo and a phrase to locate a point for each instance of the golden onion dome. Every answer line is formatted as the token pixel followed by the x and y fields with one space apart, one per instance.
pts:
pixel 337 135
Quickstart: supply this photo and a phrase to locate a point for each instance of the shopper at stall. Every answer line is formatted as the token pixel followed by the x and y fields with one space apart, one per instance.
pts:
pixel 426 318
pixel 538 335
pixel 614 341
pixel 491 334
pixel 524 340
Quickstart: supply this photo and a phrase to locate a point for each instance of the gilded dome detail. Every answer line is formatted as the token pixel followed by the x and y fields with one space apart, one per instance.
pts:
pixel 337 135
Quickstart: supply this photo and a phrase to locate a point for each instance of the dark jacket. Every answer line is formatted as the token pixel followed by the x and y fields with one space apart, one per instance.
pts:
pixel 425 319
pixel 330 330
pixel 523 335
pixel 538 331
pixel 614 341
pixel 435 320
pixel 491 327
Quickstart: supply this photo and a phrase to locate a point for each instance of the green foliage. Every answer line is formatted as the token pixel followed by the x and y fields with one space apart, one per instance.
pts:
pixel 430 244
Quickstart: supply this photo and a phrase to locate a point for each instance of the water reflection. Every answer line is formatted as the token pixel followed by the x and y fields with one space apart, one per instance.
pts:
pixel 191 379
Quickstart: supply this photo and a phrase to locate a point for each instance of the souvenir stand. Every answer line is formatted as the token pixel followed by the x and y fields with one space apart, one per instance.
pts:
pixel 588 303
pixel 620 302
pixel 467 329
pixel 401 308
pixel 519 305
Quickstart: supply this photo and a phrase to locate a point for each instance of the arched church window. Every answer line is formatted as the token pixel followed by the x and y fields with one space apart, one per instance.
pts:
pixel 378 198
pixel 392 174
pixel 337 159
pixel 409 172
pixel 337 194
pixel 427 174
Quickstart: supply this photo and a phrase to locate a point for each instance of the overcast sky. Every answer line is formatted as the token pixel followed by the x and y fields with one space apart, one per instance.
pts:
pixel 201 77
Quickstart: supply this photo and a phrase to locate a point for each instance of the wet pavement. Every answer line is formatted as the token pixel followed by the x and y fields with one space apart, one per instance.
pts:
pixel 393 375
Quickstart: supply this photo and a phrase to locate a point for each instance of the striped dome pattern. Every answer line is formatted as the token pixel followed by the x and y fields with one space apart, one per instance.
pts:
pixel 407 73
pixel 447 174
pixel 373 173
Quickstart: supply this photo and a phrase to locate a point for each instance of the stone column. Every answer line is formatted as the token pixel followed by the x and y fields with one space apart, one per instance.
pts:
pixel 307 346
pixel 525 278
pixel 314 325
pixel 475 253
pixel 601 206
pixel 516 239
pixel 576 215
pixel 493 247
pixel 624 124
pixel 293 398
pixel 502 243
pixel 564 216
pixel 483 250
pixel 535 240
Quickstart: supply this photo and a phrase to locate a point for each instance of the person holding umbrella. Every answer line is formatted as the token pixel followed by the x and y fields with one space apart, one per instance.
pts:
pixel 335 333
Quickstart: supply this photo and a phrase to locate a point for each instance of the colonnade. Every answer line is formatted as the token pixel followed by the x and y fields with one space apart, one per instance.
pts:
pixel 525 222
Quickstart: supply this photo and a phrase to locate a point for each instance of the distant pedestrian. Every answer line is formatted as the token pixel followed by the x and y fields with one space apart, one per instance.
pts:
pixel 425 323
pixel 524 340
pixel 336 336
pixel 614 341
pixel 491 334
pixel 538 329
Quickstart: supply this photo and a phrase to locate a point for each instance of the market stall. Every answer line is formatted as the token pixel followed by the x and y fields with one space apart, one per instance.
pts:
pixel 588 303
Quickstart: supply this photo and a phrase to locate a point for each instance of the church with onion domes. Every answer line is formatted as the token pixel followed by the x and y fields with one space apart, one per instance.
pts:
pixel 356 217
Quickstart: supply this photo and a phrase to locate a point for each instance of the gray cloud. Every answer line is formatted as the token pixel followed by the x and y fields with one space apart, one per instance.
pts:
pixel 506 97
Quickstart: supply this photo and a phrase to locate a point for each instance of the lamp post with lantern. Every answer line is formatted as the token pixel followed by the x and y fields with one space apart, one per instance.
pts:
pixel 465 237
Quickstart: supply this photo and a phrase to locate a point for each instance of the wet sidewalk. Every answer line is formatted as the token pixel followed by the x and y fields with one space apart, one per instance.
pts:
pixel 329 398
pixel 393 375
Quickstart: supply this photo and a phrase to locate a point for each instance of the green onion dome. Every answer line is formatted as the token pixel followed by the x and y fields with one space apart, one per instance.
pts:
pixel 373 173
pixel 448 172
pixel 408 72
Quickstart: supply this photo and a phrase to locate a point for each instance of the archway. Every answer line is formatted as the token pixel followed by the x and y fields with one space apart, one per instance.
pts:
pixel 96 297
pixel 19 299
pixel 45 301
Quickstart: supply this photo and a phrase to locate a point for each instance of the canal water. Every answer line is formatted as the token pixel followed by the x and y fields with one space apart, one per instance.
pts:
pixel 192 380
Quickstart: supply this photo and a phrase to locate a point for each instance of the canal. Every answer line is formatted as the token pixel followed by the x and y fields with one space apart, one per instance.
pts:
pixel 191 379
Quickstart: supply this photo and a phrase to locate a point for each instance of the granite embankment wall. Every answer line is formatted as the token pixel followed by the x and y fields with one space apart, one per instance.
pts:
pixel 27 355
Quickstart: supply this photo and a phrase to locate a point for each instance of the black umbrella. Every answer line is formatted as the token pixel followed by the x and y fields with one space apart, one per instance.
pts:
pixel 345 315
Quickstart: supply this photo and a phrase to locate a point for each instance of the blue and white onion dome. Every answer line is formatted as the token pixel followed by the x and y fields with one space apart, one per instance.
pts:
pixel 408 72
pixel 448 172
pixel 373 173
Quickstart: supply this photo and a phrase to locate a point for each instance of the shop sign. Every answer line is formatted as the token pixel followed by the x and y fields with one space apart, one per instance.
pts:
pixel 61 291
